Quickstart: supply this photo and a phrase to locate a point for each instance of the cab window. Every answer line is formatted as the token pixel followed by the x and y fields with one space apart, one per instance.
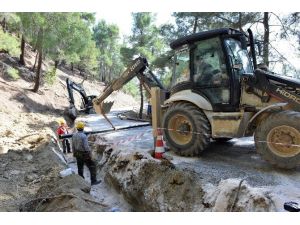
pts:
pixel 181 70
pixel 210 72
pixel 239 57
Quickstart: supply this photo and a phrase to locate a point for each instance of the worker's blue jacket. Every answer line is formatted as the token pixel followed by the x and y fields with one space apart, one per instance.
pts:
pixel 80 142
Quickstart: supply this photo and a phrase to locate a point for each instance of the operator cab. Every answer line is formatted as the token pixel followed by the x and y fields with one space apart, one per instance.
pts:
pixel 211 64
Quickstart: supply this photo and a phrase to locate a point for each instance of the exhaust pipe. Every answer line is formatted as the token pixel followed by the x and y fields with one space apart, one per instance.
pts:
pixel 252 48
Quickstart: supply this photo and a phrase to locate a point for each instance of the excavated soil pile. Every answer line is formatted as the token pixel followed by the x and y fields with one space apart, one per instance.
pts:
pixel 30 181
pixel 23 171
pixel 70 194
pixel 153 185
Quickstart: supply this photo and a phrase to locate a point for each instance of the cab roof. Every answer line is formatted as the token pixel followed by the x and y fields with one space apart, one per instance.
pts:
pixel 201 36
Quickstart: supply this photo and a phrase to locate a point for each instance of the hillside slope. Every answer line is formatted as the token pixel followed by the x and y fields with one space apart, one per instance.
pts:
pixel 23 112
pixel 30 161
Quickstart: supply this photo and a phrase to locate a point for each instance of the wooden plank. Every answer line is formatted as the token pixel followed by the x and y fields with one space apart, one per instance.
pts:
pixel 156 109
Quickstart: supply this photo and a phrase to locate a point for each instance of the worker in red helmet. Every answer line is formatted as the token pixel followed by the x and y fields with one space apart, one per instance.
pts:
pixel 61 130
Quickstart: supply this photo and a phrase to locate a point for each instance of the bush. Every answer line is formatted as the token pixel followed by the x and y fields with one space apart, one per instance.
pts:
pixel 9 43
pixel 50 76
pixel 13 73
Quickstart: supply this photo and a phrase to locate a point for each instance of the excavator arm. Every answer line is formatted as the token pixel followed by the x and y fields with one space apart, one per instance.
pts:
pixel 138 68
pixel 283 88
pixel 72 85
pixel 86 100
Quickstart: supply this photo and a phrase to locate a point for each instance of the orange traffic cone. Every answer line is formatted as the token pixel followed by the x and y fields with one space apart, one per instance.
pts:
pixel 159 146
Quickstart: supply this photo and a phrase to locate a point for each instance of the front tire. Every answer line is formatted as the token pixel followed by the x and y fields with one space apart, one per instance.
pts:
pixel 277 139
pixel 186 129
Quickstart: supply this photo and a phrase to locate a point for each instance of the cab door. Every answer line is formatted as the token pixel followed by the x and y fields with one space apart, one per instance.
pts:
pixel 239 63
pixel 209 73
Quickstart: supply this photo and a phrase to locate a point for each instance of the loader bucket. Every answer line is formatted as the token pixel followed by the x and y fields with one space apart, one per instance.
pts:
pixel 103 108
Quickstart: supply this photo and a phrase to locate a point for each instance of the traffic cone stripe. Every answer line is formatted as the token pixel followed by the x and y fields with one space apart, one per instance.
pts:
pixel 158 155
pixel 159 146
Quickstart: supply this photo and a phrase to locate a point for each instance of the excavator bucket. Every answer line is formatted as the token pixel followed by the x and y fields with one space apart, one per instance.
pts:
pixel 106 107
pixel 103 108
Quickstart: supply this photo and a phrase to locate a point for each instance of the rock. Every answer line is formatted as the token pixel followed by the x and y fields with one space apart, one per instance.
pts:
pixel 31 177
pixel 168 157
pixel 66 172
pixel 28 157
pixel 1 150
pixel 229 195
pixel 21 97
pixel 115 209
pixel 8 133
pixel 15 172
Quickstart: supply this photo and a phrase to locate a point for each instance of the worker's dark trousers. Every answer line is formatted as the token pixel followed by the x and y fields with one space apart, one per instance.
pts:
pixel 66 146
pixel 85 158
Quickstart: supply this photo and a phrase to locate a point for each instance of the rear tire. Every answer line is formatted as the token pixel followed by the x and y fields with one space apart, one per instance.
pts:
pixel 277 139
pixel 186 129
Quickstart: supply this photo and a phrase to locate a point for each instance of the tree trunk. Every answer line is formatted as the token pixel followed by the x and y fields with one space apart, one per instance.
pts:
pixel 100 74
pixel 40 61
pixel 240 22
pixel 266 38
pixel 22 56
pixel 3 24
pixel 72 67
pixel 38 72
pixel 142 101
pixel 104 74
pixel 36 57
pixel 195 25
pixel 56 62
pixel 35 46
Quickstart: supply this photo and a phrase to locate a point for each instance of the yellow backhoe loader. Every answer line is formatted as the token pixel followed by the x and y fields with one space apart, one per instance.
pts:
pixel 218 92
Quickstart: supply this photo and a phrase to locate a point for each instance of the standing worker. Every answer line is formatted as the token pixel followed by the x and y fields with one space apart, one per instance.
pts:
pixel 63 129
pixel 82 153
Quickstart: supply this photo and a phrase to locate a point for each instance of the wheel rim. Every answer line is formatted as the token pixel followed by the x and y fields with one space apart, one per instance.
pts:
pixel 179 128
pixel 284 141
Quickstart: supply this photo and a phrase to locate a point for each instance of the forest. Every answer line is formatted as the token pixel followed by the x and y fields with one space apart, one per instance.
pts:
pixel 98 50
